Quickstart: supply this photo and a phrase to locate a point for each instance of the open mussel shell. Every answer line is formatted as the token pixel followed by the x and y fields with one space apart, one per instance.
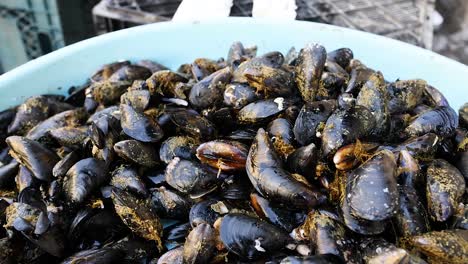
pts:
pixel 251 238
pixel 37 158
pixel 83 178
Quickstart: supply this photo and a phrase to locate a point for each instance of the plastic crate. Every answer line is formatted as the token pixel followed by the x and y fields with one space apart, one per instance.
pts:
pixel 112 15
pixel 31 28
pixel 28 29
pixel 406 20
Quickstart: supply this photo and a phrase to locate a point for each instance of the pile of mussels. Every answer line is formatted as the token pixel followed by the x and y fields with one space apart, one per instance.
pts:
pixel 311 157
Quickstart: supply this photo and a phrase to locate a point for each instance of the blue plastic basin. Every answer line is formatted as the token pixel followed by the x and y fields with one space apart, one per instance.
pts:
pixel 175 43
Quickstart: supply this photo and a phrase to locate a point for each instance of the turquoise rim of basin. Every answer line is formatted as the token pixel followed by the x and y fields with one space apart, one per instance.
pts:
pixel 174 43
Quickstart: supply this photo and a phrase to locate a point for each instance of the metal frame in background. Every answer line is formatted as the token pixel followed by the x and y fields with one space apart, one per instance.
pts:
pixel 406 20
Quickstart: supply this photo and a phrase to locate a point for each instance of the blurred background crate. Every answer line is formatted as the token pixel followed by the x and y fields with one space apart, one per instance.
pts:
pixel 406 20
pixel 31 28
pixel 112 15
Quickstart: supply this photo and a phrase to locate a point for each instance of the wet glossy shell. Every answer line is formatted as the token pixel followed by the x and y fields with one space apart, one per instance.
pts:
pixel 303 160
pixel 440 120
pixel 411 218
pixel 265 171
pixel 262 111
pixel 61 168
pixel 311 117
pixel 83 178
pixel 71 118
pixel 371 189
pixel 193 124
pixel 209 91
pixel 139 126
pixel 37 158
pixel 277 216
pixel 190 177
pixel 359 225
pixel 202 212
pixel 345 126
pixel 342 56
pixel 182 147
pixel 251 238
